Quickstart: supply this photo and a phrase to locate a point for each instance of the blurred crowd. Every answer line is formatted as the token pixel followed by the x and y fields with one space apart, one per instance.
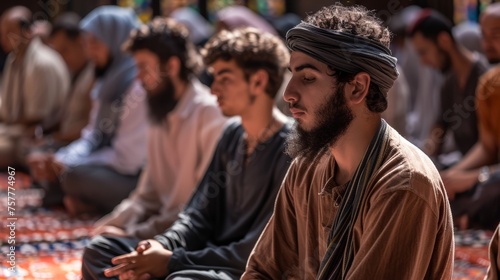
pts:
pixel 53 86
pixel 78 108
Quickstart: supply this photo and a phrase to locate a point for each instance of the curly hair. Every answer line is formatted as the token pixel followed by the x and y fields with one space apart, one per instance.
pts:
pixel 166 38
pixel 359 21
pixel 251 50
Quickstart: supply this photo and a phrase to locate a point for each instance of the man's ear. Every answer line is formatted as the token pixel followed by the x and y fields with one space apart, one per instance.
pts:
pixel 258 82
pixel 357 89
pixel 173 67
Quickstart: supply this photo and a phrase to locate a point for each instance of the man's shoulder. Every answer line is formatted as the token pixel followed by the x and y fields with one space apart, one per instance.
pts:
pixel 492 75
pixel 233 129
pixel 232 132
pixel 489 84
pixel 407 168
pixel 42 57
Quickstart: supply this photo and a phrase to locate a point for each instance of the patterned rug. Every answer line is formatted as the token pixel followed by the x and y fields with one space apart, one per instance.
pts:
pixel 471 254
pixel 49 245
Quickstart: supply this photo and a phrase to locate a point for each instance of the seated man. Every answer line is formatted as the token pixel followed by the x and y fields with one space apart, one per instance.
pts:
pixel 438 48
pixel 97 171
pixel 34 86
pixel 473 184
pixel 359 201
pixel 186 125
pixel 67 39
pixel 215 233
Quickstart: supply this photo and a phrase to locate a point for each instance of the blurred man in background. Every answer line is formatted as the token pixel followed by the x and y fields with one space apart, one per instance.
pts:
pixel 35 84
pixel 185 125
pixel 433 39
pixel 96 172
pixel 67 39
pixel 213 236
pixel 473 184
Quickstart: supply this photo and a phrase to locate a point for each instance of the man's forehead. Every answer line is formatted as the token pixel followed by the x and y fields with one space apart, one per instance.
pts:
pixel 300 61
pixel 10 22
pixel 419 38
pixel 221 66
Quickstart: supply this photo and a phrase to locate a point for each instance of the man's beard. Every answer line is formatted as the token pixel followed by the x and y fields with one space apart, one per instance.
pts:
pixel 334 117
pixel 99 71
pixel 161 101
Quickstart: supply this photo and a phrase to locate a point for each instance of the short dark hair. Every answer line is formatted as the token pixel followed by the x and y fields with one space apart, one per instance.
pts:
pixel 356 20
pixel 67 23
pixel 430 24
pixel 252 50
pixel 166 38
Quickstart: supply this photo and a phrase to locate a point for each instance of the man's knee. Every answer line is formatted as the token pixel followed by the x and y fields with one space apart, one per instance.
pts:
pixel 96 247
pixel 72 178
pixel 96 258
pixel 486 200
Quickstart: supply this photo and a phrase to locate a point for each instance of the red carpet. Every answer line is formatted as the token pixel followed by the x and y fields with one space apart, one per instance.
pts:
pixel 49 243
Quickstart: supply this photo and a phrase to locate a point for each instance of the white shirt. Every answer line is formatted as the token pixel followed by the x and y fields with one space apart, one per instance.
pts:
pixel 36 88
pixel 127 153
pixel 179 152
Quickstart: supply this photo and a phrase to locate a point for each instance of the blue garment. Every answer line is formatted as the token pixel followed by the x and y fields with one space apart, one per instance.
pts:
pixel 112 26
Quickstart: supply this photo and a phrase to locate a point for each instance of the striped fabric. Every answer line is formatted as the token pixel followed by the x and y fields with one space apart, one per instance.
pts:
pixel 340 253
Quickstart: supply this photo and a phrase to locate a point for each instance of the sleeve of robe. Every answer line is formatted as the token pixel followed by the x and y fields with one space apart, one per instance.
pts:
pixel 275 254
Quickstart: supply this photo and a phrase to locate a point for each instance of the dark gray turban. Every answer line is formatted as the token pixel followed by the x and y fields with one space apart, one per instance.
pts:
pixel 346 52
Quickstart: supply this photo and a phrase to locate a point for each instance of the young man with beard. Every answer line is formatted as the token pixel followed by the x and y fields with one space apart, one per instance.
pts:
pixel 473 184
pixel 97 171
pixel 359 201
pixel 185 127
pixel 432 37
pixel 215 233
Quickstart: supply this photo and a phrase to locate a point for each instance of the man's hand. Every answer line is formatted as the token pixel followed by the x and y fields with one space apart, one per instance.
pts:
pixel 457 181
pixel 149 260
pixel 44 167
pixel 109 230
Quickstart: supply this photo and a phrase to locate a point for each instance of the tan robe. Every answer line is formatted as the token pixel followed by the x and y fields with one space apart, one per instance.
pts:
pixel 404 230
